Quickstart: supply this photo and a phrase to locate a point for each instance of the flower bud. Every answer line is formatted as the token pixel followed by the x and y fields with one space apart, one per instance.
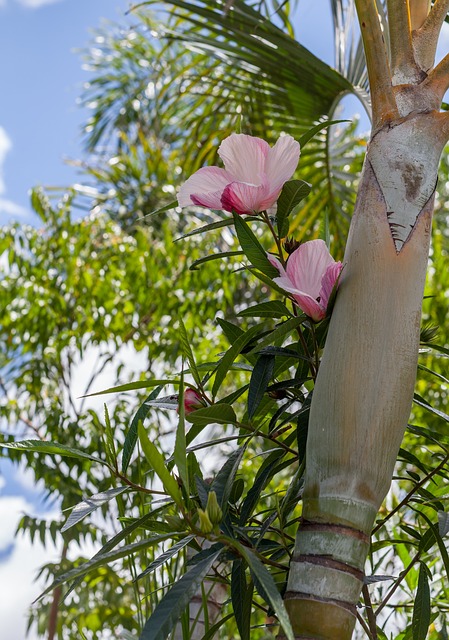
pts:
pixel 192 401
pixel 213 509
pixel 290 245
pixel 206 525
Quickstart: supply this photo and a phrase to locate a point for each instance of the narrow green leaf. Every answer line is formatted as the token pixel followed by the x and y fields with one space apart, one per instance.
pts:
pixel 292 193
pixel 52 448
pixel 162 559
pixel 170 608
pixel 252 248
pixel 231 354
pixel 223 482
pixel 443 523
pixel 421 610
pixel 219 413
pixel 187 352
pixel 266 586
pixel 308 135
pixel 180 453
pixel 100 559
pixel 133 386
pixel 167 207
pixel 279 333
pixel 208 227
pixel 131 435
pixel 272 309
pixel 157 462
pixel 110 451
pixel 241 598
pixel 260 378
pixel 214 256
pixel 88 505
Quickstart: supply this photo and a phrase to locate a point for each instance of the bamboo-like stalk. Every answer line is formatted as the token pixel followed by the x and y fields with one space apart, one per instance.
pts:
pixel 364 389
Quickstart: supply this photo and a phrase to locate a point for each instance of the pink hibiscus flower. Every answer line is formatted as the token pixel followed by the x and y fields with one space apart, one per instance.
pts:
pixel 310 277
pixel 252 179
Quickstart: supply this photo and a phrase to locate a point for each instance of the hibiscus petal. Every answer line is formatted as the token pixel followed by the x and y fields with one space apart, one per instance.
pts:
pixel 207 185
pixel 328 282
pixel 276 264
pixel 244 157
pixel 307 265
pixel 242 198
pixel 311 307
pixel 281 163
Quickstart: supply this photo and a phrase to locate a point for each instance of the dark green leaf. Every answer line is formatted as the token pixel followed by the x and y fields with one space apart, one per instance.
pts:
pixel 260 377
pixel 131 435
pixel 252 248
pixel 443 523
pixel 187 352
pixel 272 309
pixel 266 586
pixel 223 482
pixel 291 195
pixel 174 550
pixel 208 227
pixel 421 610
pixel 215 414
pixel 241 597
pixel 170 608
pixel 231 354
pixel 278 334
pixel 214 256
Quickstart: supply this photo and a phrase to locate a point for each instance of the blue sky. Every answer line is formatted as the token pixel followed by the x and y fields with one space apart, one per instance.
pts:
pixel 41 78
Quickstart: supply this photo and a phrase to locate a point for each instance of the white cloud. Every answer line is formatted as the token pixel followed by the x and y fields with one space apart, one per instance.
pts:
pixel 5 146
pixel 35 4
pixel 10 208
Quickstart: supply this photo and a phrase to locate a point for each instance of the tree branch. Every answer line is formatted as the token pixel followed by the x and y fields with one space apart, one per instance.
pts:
pixel 382 97
pixel 425 38
pixel 403 65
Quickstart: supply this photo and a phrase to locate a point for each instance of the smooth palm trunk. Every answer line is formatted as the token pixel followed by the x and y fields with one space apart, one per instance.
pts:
pixel 363 394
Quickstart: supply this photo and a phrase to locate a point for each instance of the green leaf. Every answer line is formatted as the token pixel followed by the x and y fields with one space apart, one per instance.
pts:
pixel 133 386
pixel 231 354
pixel 214 256
pixel 260 378
pixel 308 135
pixel 421 610
pixel 187 352
pixel 272 309
pixel 443 523
pixel 157 462
pixel 110 451
pixel 241 598
pixel 180 452
pixel 170 608
pixel 292 193
pixel 88 505
pixel 219 413
pixel 279 333
pixel 167 207
pixel 162 559
pixel 223 482
pixel 100 559
pixel 252 248
pixel 208 227
pixel 266 586
pixel 52 448
pixel 131 435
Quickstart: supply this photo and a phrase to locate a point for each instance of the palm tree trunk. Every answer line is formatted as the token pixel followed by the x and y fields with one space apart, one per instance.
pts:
pixel 364 389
